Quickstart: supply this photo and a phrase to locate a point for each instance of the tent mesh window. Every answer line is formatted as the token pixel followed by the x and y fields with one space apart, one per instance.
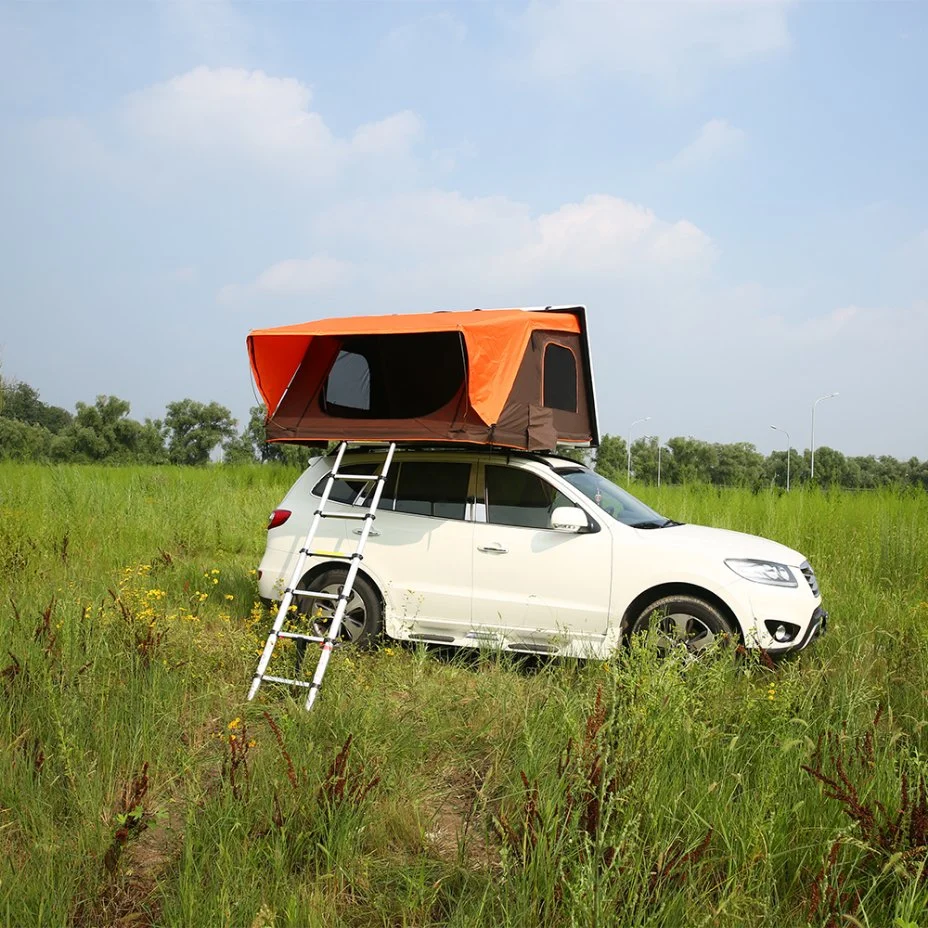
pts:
pixel 404 376
pixel 349 383
pixel 560 378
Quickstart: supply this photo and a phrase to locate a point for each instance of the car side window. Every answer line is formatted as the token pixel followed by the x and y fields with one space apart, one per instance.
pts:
pixel 352 492
pixel 429 489
pixel 519 497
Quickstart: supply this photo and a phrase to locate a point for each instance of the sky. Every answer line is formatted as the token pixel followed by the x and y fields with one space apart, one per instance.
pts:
pixel 737 191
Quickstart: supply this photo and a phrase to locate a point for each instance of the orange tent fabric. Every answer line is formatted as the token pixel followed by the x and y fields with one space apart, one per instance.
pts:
pixel 495 342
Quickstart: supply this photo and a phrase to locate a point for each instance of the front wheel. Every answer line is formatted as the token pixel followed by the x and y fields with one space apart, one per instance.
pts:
pixel 684 620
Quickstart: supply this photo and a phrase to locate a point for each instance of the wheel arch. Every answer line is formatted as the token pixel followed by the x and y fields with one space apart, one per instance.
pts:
pixel 654 593
pixel 318 569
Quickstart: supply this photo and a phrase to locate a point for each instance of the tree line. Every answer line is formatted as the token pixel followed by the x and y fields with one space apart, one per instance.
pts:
pixel 194 433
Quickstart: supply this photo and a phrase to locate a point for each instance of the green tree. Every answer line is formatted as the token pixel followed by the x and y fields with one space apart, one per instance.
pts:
pixel 739 464
pixel 20 441
pixel 644 458
pixel 611 458
pixel 21 402
pixel 691 460
pixel 194 429
pixel 104 432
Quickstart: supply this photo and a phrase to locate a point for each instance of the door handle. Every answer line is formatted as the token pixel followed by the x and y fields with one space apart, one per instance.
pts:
pixel 493 549
pixel 373 533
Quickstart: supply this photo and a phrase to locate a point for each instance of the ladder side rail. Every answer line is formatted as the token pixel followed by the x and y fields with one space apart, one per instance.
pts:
pixel 288 596
pixel 334 629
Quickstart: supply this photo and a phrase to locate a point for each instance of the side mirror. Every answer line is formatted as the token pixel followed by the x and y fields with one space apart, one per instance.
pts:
pixel 569 519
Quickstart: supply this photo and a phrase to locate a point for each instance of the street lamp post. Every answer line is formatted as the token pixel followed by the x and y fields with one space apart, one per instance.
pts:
pixel 787 453
pixel 636 422
pixel 827 396
pixel 658 462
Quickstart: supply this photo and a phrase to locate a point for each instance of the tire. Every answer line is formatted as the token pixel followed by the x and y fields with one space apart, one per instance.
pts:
pixel 362 623
pixel 687 620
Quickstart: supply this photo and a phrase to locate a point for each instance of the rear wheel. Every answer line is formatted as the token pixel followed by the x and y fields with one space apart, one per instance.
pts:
pixel 362 622
pixel 684 620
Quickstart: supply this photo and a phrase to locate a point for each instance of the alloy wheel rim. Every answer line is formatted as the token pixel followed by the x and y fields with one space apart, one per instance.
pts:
pixel 321 612
pixel 678 628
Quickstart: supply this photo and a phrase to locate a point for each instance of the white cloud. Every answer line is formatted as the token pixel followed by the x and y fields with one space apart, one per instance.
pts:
pixel 394 135
pixel 230 108
pixel 427 31
pixel 671 43
pixel 235 113
pixel 444 248
pixel 717 139
pixel 297 276
pixel 288 278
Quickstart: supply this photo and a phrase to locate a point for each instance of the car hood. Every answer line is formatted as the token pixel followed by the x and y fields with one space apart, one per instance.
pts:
pixel 721 542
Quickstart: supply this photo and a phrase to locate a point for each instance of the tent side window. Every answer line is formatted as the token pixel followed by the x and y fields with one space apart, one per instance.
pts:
pixel 560 378
pixel 349 383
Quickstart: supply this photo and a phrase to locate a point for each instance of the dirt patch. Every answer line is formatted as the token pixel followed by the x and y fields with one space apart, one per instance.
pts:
pixel 455 820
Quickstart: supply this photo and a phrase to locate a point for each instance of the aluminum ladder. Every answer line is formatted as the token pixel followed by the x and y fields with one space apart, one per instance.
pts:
pixel 341 598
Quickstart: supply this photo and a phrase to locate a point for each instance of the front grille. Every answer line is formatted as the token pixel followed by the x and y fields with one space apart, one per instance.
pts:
pixel 809 574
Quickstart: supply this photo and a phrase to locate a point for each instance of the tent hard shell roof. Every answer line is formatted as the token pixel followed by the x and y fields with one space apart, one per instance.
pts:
pixel 292 366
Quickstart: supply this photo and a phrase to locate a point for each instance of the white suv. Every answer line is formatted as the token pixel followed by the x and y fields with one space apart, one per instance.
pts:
pixel 533 553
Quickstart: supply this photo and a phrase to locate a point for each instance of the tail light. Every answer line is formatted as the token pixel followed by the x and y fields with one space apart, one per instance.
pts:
pixel 278 517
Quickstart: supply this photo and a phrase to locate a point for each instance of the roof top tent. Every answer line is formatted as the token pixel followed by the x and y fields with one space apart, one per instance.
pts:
pixel 512 378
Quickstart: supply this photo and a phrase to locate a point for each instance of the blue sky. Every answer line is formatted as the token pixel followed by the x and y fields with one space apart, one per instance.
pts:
pixel 737 191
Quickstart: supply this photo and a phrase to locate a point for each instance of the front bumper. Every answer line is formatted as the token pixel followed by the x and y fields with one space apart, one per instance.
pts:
pixel 817 626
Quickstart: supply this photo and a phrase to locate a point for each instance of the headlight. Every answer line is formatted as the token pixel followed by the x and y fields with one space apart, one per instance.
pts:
pixel 769 572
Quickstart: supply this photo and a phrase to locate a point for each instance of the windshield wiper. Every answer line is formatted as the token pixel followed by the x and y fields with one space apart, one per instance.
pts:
pixel 665 524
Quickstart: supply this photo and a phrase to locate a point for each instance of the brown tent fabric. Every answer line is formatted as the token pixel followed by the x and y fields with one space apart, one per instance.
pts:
pixel 514 378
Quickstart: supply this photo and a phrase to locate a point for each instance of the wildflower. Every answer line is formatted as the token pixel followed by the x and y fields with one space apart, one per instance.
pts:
pixel 388 650
pixel 229 597
pixel 235 723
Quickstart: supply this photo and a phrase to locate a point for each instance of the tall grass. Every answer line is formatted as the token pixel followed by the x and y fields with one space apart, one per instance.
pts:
pixel 137 787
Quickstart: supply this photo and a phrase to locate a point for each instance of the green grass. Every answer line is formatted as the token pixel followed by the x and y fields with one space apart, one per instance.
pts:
pixel 476 790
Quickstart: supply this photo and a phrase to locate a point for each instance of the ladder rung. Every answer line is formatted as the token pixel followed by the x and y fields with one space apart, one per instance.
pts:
pixel 330 596
pixel 362 478
pixel 333 554
pixel 299 636
pixel 269 679
pixel 351 516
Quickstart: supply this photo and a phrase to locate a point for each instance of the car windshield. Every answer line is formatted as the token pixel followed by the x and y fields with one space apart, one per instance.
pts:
pixel 614 500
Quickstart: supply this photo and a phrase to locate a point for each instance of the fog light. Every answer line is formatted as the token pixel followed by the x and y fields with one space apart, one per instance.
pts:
pixel 782 632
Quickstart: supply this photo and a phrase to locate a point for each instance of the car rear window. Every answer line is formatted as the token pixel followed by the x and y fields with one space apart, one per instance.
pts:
pixel 423 488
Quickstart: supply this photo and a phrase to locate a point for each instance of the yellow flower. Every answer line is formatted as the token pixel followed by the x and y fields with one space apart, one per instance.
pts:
pixel 235 723
pixel 229 597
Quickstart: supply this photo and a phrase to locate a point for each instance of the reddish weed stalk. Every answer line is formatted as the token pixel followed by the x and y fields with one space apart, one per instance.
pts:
pixel 342 784
pixel 235 763
pixel 131 817
pixel 899 836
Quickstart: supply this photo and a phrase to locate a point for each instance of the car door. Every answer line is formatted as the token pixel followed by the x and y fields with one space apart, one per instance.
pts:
pixel 422 543
pixel 528 575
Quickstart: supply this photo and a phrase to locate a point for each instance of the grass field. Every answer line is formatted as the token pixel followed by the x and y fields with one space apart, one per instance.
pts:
pixel 138 788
